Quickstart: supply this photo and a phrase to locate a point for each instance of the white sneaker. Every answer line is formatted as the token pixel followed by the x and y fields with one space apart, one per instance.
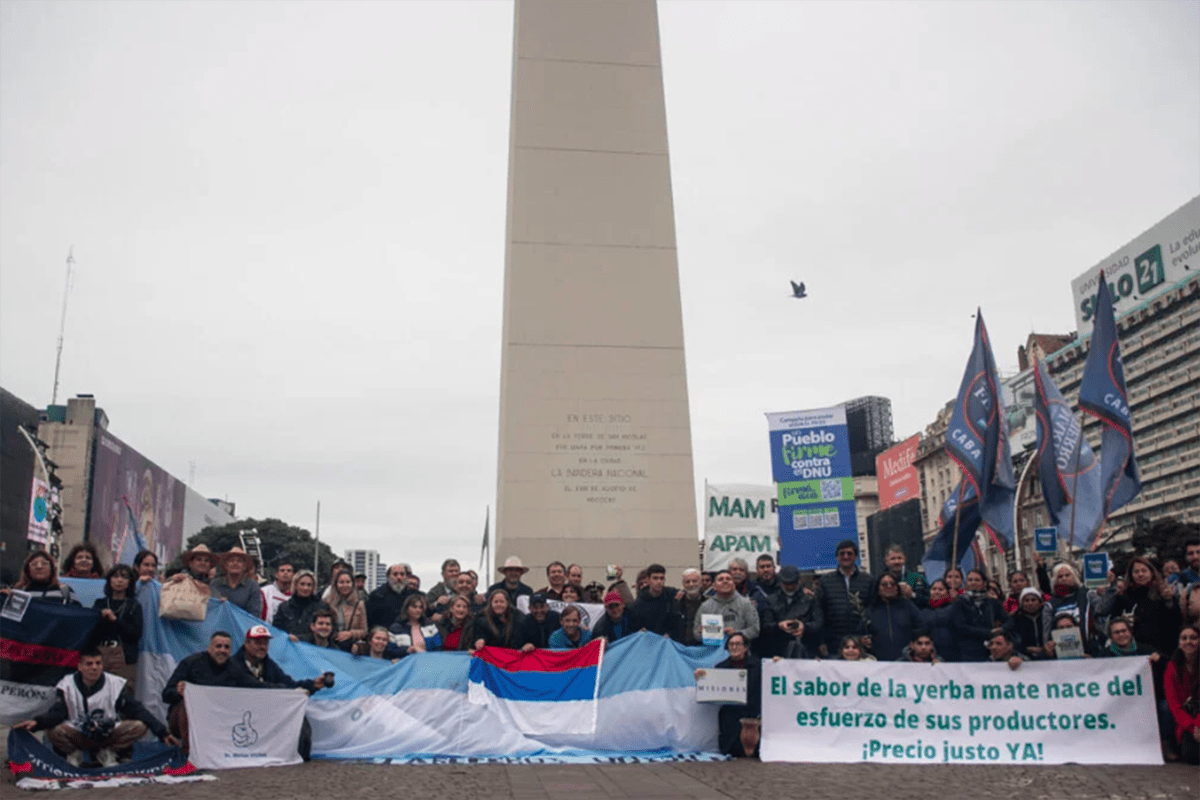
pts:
pixel 75 758
pixel 107 757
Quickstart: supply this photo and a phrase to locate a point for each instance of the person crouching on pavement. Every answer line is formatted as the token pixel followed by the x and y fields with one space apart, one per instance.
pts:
pixel 255 665
pixel 92 714
pixel 209 667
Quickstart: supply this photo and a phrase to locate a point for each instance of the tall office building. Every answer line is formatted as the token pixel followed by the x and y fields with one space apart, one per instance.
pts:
pixel 366 562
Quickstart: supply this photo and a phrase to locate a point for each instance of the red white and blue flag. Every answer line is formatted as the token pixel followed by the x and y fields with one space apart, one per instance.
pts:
pixel 542 691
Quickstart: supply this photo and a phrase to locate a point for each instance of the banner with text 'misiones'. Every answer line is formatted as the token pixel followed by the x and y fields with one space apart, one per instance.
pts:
pixel 740 520
pixel 1089 711
pixel 810 462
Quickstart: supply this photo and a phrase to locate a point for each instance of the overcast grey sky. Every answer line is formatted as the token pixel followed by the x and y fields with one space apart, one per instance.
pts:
pixel 288 220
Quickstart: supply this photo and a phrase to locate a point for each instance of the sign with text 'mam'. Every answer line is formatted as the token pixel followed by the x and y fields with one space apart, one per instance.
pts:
pixel 1090 711
pixel 740 520
pixel 810 462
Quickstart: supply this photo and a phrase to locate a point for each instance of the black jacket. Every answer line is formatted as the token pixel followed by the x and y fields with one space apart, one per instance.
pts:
pixel 778 608
pixel 538 633
pixel 383 605
pixel 973 626
pixel 482 630
pixel 604 628
pixel 662 614
pixel 939 622
pixel 295 613
pixel 273 676
pixel 127 707
pixel 127 629
pixel 513 594
pixel 838 607
pixel 201 670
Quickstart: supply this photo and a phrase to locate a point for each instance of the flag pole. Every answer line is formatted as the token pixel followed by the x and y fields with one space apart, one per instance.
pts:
pixel 957 517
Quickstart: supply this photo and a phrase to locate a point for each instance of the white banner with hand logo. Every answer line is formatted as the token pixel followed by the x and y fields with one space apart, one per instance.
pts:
pixel 231 728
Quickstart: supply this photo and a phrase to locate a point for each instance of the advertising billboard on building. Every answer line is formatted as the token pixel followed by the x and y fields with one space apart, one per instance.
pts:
pixel 1143 269
pixel 1019 394
pixel 810 462
pixel 896 474
pixel 155 496
pixel 740 520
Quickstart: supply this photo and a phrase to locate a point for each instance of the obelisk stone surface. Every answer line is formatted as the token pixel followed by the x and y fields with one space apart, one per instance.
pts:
pixel 595 463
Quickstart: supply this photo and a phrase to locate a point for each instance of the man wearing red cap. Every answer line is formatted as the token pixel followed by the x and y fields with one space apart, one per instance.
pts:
pixel 255 665
pixel 618 622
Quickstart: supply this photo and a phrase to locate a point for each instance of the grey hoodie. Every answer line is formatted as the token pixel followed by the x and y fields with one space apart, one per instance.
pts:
pixel 737 611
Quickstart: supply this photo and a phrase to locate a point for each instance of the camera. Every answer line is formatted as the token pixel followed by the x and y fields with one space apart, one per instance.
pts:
pixel 328 678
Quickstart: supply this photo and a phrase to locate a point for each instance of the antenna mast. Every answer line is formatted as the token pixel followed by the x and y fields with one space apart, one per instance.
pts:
pixel 62 325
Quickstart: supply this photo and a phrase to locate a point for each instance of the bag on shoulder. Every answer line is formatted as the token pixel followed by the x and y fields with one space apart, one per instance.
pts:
pixel 185 599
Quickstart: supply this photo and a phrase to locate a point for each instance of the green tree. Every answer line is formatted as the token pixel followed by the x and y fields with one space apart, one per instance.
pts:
pixel 1166 537
pixel 276 538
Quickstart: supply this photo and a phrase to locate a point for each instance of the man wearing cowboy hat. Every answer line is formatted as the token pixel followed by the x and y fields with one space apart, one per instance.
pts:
pixel 513 569
pixel 237 584
pixel 197 563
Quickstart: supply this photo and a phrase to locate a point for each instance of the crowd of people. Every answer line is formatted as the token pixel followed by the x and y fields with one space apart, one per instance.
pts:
pixel 845 614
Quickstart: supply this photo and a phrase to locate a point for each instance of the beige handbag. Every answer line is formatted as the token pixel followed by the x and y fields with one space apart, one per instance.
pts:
pixel 186 599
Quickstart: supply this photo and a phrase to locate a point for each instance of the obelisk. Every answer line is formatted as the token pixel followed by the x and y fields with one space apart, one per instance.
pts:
pixel 595 463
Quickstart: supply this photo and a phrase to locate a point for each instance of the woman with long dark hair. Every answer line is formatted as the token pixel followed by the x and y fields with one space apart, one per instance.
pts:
pixel 414 632
pixel 1182 685
pixel 350 612
pixel 730 717
pixel 145 565
pixel 1151 602
pixel 937 620
pixel 119 630
pixel 498 624
pixel 891 618
pixel 977 618
pixel 82 562
pixel 457 624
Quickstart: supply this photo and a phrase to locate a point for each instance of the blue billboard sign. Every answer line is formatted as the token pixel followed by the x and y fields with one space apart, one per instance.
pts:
pixel 810 462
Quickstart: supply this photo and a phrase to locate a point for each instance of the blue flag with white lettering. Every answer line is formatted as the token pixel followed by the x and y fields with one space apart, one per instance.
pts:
pixel 941 550
pixel 977 438
pixel 1102 394
pixel 1068 469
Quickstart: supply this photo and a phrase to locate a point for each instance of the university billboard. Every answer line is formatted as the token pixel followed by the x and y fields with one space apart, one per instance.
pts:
pixel 810 462
pixel 121 474
pixel 896 474
pixel 1143 269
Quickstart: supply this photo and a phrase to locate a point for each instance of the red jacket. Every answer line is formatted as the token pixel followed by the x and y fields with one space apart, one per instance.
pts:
pixel 1175 687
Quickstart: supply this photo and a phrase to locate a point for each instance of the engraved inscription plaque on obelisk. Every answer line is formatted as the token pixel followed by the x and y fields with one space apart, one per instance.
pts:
pixel 595 462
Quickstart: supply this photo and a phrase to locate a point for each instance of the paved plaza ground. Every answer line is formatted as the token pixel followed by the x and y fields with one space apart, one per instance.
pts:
pixel 675 781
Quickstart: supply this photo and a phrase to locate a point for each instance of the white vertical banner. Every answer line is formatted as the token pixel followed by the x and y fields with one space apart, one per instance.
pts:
pixel 740 520
pixel 1089 711
pixel 231 728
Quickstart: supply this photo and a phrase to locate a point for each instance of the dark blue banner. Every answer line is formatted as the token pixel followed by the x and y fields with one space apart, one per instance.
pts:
pixel 1067 467
pixel 28 756
pixel 1102 394
pixel 977 437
